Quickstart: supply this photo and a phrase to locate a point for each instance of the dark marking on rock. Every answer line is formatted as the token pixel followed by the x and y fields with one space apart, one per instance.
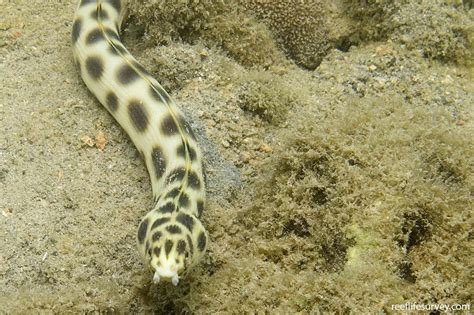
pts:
pixel 159 222
pixel 138 115
pixel 159 161
pixel 112 101
pixel 202 241
pixel 142 229
pixel 126 74
pixel 185 220
pixel 94 67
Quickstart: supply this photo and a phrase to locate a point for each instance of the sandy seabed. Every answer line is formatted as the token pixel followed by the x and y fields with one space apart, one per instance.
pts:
pixel 339 155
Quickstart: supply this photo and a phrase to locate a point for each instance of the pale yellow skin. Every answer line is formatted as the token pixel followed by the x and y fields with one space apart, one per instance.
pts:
pixel 170 237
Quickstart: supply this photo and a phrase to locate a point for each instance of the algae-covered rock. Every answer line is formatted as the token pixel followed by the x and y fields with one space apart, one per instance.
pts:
pixel 300 27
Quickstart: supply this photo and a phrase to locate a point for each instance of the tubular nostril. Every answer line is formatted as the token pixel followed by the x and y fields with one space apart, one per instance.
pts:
pixel 156 277
pixel 175 280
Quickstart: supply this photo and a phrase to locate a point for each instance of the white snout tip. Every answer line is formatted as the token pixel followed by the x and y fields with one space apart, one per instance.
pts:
pixel 174 277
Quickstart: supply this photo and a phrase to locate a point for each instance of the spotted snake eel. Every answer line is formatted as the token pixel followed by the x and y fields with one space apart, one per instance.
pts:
pixel 171 238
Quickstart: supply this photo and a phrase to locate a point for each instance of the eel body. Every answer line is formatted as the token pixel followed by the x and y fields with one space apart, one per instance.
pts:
pixel 171 238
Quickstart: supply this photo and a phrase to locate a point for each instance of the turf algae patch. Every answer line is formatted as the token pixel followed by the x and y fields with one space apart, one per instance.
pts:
pixel 248 41
pixel 213 23
pixel 371 19
pixel 357 202
pixel 165 22
pixel 300 27
pixel 441 29
pixel 267 95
